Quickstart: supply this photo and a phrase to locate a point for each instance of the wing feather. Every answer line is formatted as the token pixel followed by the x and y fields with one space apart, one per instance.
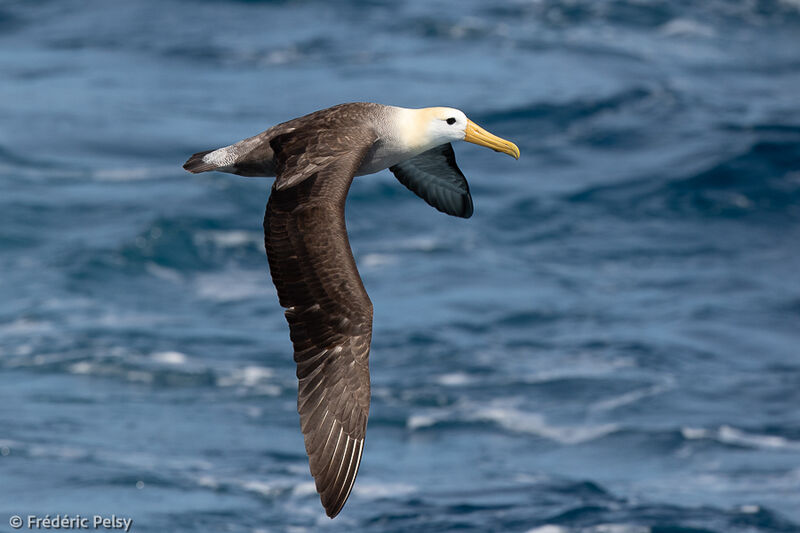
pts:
pixel 435 177
pixel 327 308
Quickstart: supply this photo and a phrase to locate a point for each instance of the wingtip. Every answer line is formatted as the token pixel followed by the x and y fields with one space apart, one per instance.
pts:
pixel 334 493
pixel 196 164
pixel 333 512
pixel 334 508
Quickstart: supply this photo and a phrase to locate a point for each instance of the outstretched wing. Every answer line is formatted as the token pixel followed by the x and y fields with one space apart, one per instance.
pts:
pixel 435 177
pixel 328 310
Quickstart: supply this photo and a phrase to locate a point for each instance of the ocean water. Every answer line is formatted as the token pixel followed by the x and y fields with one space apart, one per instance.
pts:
pixel 611 344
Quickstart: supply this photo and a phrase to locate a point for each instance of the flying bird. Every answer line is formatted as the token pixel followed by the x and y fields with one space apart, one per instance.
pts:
pixel 314 159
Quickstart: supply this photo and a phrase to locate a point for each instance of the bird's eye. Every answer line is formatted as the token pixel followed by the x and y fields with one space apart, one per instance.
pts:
pixel 451 121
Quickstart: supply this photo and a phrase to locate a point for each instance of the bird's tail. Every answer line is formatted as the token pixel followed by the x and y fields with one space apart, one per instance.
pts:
pixel 196 164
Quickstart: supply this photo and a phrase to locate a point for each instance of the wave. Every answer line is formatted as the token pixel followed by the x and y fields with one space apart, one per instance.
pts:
pixel 535 424
pixel 762 179
pixel 647 15
pixel 548 118
pixel 510 419
pixel 172 249
pixel 736 437
pixel 632 397
pixel 168 368
pixel 599 528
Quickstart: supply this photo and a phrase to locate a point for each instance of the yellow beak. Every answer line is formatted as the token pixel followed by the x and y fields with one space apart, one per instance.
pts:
pixel 477 135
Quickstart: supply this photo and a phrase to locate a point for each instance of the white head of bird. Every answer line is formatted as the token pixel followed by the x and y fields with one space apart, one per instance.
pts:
pixel 433 126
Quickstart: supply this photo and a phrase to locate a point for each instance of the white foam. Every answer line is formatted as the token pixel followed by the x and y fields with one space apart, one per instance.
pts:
pixel 207 482
pixel 252 377
pixel 127 319
pixel 81 367
pixel 57 452
pixel 731 435
pixel 118 351
pixel 281 57
pixel 168 274
pixel 454 379
pixel 579 366
pixel 694 433
pixel 383 490
pixel 616 528
pixel 304 489
pixel 514 420
pixel 232 286
pixel 422 244
pixel 421 421
pixel 535 424
pixel 375 260
pixel 24 349
pixel 253 411
pixel 782 482
pixel 630 397
pixel 229 238
pixel 169 358
pixel 7 444
pixel 549 528
pixel 25 326
pixel 600 528
pixel 260 487
pixel 740 200
pixel 686 27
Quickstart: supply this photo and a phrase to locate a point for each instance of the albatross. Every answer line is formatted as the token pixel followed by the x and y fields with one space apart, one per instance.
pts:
pixel 314 159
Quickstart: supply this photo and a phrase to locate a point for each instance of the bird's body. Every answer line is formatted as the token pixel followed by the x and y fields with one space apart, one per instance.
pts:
pixel 314 159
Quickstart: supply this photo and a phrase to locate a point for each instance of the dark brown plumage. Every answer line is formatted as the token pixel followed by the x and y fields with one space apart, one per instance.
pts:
pixel 328 310
pixel 314 159
pixel 254 156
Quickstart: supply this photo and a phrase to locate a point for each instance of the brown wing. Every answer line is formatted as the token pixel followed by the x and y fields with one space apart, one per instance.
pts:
pixel 328 310
pixel 254 156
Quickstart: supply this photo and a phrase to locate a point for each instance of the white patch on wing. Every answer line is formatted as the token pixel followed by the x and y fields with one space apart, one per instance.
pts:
pixel 221 157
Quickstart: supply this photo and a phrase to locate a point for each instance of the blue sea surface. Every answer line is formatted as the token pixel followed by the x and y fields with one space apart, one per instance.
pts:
pixel 611 344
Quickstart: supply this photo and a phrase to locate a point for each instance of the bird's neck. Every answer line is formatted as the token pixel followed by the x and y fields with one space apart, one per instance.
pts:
pixel 407 131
